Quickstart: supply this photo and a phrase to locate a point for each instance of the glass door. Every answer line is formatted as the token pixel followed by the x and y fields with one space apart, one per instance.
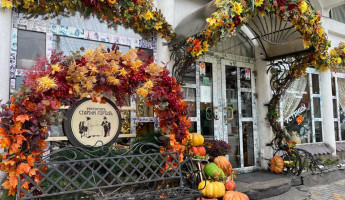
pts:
pixel 239 116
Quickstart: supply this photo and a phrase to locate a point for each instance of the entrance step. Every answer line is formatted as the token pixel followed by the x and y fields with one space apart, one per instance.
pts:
pixel 261 185
pixel 296 193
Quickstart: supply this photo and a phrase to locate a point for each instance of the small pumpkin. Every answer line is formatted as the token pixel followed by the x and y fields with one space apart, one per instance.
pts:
pixel 212 170
pixel 277 164
pixel 206 199
pixel 212 189
pixel 234 195
pixel 201 151
pixel 196 139
pixel 230 185
pixel 223 163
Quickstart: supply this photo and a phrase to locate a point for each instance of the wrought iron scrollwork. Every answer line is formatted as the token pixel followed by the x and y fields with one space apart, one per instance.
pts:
pixel 283 73
pixel 183 61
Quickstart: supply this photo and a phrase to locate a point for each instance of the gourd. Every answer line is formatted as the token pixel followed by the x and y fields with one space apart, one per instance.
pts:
pixel 230 185
pixel 201 151
pixel 223 163
pixel 277 164
pixel 212 189
pixel 212 170
pixel 196 139
pixel 234 195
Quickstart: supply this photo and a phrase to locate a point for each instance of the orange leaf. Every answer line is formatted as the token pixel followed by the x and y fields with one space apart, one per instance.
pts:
pixel 33 172
pixel 42 144
pixel 20 139
pixel 6 184
pixel 5 142
pixel 13 181
pixel 17 128
pixel 15 148
pixel 22 118
pixel 26 185
pixel 10 162
pixel 23 168
pixel 31 160
pixel 2 132
pixel 12 191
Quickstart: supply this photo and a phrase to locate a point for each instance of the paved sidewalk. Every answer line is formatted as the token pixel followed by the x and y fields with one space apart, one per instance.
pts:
pixel 333 191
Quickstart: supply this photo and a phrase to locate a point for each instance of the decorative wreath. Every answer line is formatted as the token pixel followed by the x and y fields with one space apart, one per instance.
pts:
pixel 62 81
pixel 232 14
pixel 140 15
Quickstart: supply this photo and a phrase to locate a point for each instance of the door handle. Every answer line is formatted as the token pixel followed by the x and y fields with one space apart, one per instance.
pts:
pixel 211 114
pixel 215 115
pixel 232 113
pixel 208 114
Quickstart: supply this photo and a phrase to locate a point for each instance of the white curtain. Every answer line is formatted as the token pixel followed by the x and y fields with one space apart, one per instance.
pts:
pixel 341 92
pixel 293 95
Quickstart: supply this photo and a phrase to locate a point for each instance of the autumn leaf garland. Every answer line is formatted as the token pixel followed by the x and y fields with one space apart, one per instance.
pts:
pixel 26 118
pixel 140 15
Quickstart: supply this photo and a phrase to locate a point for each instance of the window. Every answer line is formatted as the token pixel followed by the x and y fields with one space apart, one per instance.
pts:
pixel 30 46
pixel 301 109
pixel 338 90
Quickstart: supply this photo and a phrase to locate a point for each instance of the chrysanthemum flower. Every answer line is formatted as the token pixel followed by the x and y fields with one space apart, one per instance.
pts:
pixel 46 83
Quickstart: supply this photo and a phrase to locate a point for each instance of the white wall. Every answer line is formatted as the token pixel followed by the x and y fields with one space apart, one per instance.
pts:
pixel 5 50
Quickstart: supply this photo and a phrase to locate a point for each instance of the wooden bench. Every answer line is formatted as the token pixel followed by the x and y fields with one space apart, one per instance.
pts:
pixel 130 175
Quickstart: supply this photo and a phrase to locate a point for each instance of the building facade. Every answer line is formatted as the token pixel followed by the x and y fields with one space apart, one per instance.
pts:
pixel 227 89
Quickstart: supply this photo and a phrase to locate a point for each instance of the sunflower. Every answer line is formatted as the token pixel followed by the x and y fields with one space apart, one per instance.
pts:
pixel 303 6
pixel 237 8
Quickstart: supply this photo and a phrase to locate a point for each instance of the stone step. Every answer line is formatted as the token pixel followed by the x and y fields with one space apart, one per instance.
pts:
pixel 261 185
pixel 295 193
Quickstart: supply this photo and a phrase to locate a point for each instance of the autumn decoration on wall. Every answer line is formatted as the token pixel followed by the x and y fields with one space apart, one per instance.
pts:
pixel 140 15
pixel 62 81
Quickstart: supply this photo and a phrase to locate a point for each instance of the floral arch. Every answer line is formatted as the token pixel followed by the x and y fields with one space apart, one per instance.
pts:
pixel 231 15
pixel 62 81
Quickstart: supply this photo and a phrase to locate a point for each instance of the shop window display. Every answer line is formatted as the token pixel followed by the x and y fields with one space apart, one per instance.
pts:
pixel 301 110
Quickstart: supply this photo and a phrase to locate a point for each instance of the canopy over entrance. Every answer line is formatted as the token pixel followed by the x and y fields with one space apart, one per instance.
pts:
pixel 276 37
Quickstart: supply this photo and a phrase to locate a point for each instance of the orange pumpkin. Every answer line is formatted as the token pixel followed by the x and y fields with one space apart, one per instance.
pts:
pixel 277 164
pixel 205 199
pixel 223 163
pixel 234 195
pixel 230 185
pixel 201 151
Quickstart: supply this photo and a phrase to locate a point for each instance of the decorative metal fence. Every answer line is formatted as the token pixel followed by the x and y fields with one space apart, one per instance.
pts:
pixel 85 174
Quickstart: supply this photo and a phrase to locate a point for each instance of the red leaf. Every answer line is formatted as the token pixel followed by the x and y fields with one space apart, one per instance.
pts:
pixel 22 118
